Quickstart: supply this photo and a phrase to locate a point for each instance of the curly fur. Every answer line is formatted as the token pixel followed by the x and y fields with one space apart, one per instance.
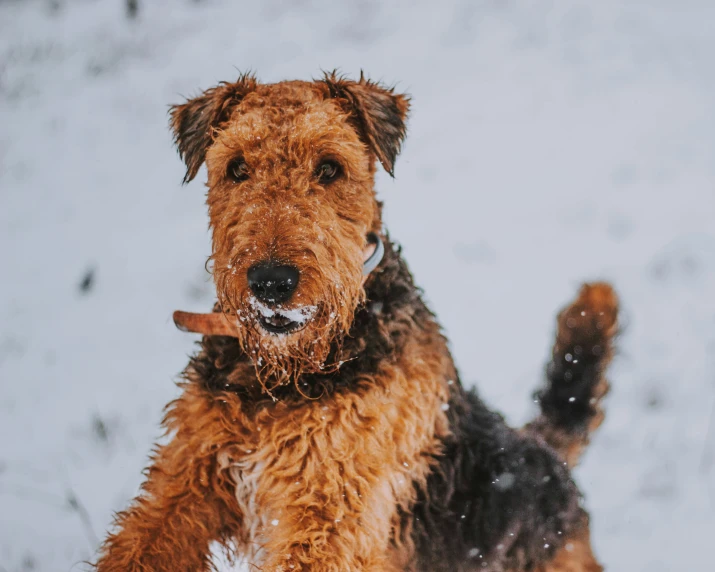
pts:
pixel 350 444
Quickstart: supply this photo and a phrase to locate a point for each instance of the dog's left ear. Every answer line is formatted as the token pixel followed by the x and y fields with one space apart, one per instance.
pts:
pixel 195 121
pixel 378 112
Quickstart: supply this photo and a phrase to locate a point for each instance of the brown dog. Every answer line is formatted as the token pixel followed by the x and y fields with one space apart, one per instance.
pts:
pixel 322 424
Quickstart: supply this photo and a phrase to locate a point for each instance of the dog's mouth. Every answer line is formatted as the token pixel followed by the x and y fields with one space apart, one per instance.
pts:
pixel 274 319
pixel 278 324
pixel 279 320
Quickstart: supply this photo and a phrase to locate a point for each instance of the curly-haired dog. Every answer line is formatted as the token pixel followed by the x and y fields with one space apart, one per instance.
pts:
pixel 322 424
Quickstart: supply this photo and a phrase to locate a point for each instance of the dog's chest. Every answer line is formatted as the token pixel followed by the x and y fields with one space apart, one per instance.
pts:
pixel 263 519
pixel 344 465
pixel 246 472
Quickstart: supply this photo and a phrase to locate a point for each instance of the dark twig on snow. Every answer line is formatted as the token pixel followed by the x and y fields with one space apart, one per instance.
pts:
pixel 76 504
pixel 87 282
pixel 707 457
pixel 132 9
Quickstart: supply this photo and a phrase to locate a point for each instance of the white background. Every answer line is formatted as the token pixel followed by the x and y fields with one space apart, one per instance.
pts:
pixel 550 142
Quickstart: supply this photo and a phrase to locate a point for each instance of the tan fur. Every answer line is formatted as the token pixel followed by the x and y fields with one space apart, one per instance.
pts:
pixel 291 218
pixel 315 484
pixel 331 476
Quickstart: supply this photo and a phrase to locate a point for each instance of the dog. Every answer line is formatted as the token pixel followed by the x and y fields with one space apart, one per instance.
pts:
pixel 322 424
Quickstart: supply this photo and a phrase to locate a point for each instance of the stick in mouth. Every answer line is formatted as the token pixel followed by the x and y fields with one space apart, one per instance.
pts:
pixel 219 324
pixel 213 324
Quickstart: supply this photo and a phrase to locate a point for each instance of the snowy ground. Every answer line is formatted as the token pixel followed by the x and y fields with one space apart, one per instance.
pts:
pixel 550 142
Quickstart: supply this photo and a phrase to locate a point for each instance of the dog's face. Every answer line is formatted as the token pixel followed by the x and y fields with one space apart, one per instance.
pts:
pixel 291 200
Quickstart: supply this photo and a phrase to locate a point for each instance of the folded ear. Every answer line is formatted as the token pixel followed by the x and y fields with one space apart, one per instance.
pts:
pixel 378 112
pixel 194 122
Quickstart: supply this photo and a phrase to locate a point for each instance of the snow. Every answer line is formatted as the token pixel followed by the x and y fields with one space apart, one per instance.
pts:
pixel 550 142
pixel 299 314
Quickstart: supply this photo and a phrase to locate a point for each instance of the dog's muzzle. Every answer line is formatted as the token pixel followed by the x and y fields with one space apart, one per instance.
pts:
pixel 274 320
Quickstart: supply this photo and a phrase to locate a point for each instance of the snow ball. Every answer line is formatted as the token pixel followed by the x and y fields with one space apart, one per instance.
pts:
pixel 504 481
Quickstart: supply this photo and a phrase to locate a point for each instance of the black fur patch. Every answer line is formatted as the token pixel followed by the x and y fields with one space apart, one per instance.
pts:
pixel 571 378
pixel 497 500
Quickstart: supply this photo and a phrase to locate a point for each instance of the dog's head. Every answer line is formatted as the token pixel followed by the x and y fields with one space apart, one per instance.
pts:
pixel 291 201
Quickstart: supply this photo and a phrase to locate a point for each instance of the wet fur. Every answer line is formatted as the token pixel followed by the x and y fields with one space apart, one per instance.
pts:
pixel 382 461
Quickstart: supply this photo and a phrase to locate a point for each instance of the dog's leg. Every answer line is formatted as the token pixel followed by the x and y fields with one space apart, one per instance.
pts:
pixel 575 378
pixel 186 503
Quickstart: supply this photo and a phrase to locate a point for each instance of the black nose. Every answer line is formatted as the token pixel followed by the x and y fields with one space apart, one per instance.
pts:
pixel 272 282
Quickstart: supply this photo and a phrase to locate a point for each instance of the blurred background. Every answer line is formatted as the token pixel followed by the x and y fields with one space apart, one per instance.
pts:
pixel 550 142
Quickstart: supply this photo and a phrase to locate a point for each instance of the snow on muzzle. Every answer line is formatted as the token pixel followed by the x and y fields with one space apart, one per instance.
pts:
pixel 280 320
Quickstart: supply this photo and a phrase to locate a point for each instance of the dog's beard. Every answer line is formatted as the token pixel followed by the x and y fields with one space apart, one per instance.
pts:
pixel 315 345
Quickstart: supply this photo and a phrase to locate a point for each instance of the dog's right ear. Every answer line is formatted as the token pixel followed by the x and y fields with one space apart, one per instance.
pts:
pixel 195 121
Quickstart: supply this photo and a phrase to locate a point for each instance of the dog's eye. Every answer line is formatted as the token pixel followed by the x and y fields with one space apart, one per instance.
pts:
pixel 328 171
pixel 237 170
